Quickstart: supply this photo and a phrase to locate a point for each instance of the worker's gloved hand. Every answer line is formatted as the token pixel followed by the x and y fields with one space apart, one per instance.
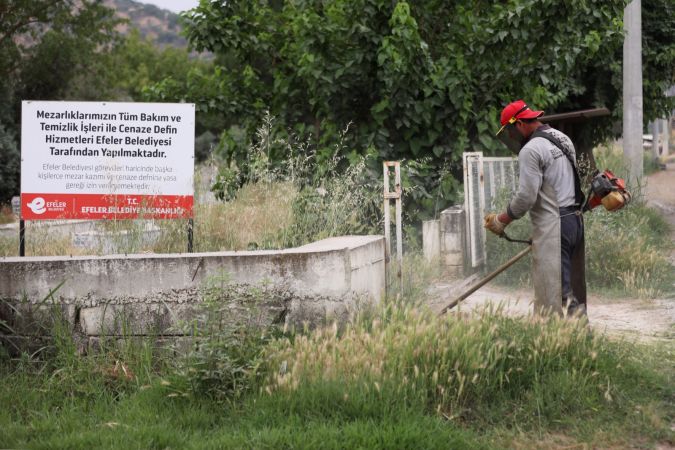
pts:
pixel 497 223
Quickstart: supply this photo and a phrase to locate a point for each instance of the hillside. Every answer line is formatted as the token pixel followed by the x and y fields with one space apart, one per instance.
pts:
pixel 158 24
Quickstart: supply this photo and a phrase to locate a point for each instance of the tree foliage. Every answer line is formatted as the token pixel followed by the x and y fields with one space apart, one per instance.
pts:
pixel 423 79
pixel 658 56
pixel 70 50
pixel 9 164
pixel 45 46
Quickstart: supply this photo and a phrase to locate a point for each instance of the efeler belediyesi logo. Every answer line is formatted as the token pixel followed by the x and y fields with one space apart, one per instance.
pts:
pixel 37 205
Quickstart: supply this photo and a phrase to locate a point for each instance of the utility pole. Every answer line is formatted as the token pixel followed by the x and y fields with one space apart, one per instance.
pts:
pixel 666 136
pixel 632 91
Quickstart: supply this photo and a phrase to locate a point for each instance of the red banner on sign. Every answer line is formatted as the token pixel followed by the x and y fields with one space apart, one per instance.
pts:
pixel 105 206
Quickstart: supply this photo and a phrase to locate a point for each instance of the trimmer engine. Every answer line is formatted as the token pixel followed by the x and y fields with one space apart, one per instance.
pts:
pixel 607 190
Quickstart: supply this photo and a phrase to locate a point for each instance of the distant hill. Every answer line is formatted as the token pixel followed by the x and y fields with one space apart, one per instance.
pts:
pixel 160 25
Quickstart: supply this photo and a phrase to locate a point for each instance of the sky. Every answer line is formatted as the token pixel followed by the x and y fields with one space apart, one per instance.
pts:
pixel 172 5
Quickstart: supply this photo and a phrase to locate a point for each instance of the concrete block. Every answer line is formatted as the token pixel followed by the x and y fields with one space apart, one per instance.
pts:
pixel 453 241
pixel 431 239
pixel 132 319
pixel 117 241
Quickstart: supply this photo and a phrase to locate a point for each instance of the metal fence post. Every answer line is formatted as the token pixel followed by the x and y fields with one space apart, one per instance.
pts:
pixel 395 195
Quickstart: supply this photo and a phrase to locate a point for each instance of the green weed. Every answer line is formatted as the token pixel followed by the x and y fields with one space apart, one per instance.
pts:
pixel 226 336
pixel 481 371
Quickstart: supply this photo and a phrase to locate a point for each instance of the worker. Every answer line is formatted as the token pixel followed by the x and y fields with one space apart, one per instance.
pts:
pixel 549 188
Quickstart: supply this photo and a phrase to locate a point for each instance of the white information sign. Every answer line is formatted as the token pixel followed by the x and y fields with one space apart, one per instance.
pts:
pixel 101 160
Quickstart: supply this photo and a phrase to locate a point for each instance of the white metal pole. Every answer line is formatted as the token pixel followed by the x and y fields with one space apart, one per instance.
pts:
pixel 387 218
pixel 656 139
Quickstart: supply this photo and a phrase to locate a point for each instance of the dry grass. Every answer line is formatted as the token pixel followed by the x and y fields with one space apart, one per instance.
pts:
pixel 255 218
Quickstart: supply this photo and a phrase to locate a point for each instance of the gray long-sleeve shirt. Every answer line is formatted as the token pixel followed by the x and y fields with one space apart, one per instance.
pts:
pixel 539 160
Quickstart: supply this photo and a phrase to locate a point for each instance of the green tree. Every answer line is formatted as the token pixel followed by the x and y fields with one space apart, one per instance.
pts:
pixel 45 46
pixel 9 164
pixel 136 65
pixel 422 79
pixel 658 56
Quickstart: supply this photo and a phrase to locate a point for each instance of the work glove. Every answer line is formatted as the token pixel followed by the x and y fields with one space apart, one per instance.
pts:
pixel 494 224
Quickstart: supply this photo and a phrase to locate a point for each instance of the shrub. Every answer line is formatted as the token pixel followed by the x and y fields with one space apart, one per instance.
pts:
pixel 329 194
pixel 10 160
pixel 228 334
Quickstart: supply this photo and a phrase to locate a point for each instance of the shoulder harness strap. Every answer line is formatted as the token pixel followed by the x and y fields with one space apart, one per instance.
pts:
pixel 578 193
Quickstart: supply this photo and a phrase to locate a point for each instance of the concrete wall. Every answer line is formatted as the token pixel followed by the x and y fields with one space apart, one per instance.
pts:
pixel 149 293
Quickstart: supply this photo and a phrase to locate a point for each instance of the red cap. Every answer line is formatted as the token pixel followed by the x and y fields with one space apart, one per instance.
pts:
pixel 518 110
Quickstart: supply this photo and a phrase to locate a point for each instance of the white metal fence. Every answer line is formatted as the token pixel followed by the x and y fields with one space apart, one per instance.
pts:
pixel 484 179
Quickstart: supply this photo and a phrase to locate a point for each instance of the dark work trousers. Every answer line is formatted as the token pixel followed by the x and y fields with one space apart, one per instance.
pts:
pixel 571 236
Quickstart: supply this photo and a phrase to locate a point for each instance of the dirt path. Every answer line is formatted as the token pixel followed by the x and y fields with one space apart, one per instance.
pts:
pixel 633 319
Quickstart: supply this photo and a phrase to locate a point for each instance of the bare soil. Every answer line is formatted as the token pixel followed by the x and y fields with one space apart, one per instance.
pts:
pixel 628 318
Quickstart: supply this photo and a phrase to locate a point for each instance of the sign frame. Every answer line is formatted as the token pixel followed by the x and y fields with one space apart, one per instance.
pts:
pixel 107 160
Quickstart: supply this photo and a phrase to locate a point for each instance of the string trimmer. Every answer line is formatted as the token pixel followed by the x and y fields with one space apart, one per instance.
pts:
pixel 492 274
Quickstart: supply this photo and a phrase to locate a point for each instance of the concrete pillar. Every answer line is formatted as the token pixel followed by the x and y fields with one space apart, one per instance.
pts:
pixel 665 136
pixel 453 241
pixel 656 139
pixel 632 91
pixel 431 239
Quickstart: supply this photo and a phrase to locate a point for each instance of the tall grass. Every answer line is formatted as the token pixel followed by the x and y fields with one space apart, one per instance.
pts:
pixel 6 214
pixel 480 370
pixel 610 156
pixel 452 366
pixel 328 195
pixel 397 376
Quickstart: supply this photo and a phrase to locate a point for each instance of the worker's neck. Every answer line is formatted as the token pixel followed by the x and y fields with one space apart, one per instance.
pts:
pixel 531 127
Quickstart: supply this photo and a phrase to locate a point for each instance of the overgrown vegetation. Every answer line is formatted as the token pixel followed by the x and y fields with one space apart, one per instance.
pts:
pixel 265 206
pixel 397 377
pixel 269 205
pixel 226 340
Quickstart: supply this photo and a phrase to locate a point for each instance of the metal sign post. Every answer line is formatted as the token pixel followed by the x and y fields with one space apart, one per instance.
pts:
pixel 190 235
pixel 22 238
pixel 395 195
pixel 16 210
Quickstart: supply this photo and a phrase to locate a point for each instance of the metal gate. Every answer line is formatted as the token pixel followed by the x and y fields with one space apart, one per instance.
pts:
pixel 484 178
